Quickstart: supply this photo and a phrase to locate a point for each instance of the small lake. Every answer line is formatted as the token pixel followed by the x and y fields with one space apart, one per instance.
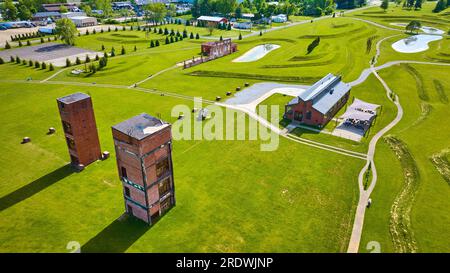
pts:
pixel 256 53
pixel 415 43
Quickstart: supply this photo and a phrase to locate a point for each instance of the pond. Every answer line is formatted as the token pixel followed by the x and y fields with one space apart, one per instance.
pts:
pixel 256 53
pixel 427 30
pixel 415 43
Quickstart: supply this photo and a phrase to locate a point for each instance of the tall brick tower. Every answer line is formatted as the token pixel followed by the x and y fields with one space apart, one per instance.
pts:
pixel 143 147
pixel 80 130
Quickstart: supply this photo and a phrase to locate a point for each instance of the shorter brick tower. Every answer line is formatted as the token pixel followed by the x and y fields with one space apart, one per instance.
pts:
pixel 80 130
pixel 143 147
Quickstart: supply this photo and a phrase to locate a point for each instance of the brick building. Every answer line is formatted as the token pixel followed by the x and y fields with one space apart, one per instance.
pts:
pixel 218 49
pixel 319 103
pixel 143 147
pixel 80 129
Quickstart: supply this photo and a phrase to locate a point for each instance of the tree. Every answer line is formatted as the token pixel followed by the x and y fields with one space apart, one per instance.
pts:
pixel 191 36
pixel 63 9
pixel 44 65
pixel 66 30
pixel 122 52
pixel 17 60
pixel 152 44
pixel 87 60
pixel 68 63
pixel 1 61
pixel 384 5
pixel 113 52
pixel 240 36
pixel 155 12
pixel 197 36
pixel 7 45
pixel 30 63
pixel 77 61
pixel 167 40
pixel 24 12
pixel 225 7
pixel 8 10
pixel 418 4
pixel 51 68
pixel 157 43
pixel 413 26
pixel 37 64
pixel 440 5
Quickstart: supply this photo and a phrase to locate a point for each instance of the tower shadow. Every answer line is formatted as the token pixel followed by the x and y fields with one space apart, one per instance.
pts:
pixel 117 237
pixel 34 187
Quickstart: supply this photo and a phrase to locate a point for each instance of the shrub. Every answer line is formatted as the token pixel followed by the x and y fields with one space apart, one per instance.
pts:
pixel 17 60
pixel 116 29
pixel 103 47
pixel 51 68
pixel 44 65
pixel 167 40
pixel 260 33
pixel 12 59
pixel 166 32
pixel 103 62
pixel 101 30
pixel 157 43
pixel 28 43
pixel 42 40
pixel 68 64
pixel 1 61
pixel 197 36
pixel 109 29
pixel 240 36
pixel 87 31
pixel 87 60
pixel 20 43
pixel 30 63
pixel 94 31
pixel 191 36
pixel 221 38
pixel 24 62
pixel 77 61
pixel 113 52
pixel 313 45
pixel 97 57
pixel 135 48
pixel 7 45
pixel 48 39
pixel 37 64
pixel 152 44
pixel 160 31
pixel 171 39
pixel 122 51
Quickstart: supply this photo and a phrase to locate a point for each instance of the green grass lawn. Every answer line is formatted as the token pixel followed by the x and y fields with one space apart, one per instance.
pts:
pixel 231 197
pixel 425 133
pixel 223 204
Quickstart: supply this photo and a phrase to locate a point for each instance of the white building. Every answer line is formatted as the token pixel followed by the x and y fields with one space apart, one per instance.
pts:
pixel 84 21
pixel 280 18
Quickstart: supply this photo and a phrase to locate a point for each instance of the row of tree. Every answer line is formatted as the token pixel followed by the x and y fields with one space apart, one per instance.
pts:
pixel 30 63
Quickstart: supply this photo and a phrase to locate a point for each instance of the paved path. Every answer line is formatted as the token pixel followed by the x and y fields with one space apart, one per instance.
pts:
pixel 365 194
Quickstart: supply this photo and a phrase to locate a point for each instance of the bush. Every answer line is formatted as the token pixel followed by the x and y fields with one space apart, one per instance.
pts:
pixel 152 44
pixel 313 45
pixel 12 59
pixel 135 48
pixel 24 62
pixel 160 31
pixel 171 39
pixel 1 61
pixel 7 45
pixel 17 60
pixel 37 64
pixel 51 68
pixel 122 51
pixel 103 62
pixel 77 61
pixel 113 52
pixel 42 40
pixel 28 43
pixel 20 43
pixel 157 43
pixel 94 31
pixel 87 31
pixel 109 29
pixel 167 40
pixel 44 65
pixel 30 63
pixel 116 29
pixel 97 57
pixel 166 32
pixel 240 36
pixel 87 60
pixel 197 36
pixel 191 36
